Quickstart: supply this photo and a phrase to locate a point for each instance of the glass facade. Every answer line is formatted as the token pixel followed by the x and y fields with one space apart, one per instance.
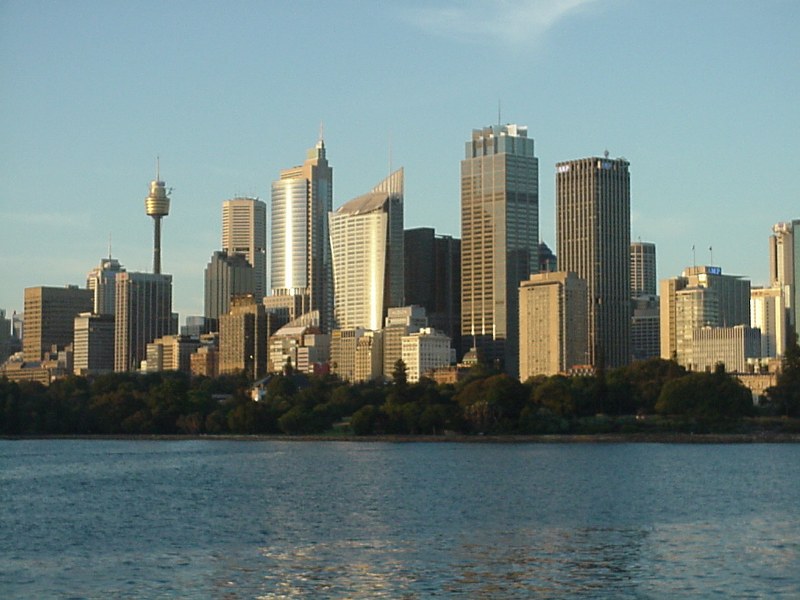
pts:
pixel 499 238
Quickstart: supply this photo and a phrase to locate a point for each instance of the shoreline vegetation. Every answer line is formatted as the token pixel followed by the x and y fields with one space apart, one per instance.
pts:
pixel 648 401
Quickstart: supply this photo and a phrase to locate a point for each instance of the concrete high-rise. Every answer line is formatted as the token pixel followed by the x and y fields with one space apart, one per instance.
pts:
pixel 244 231
pixel 93 346
pixel 300 245
pixel 367 251
pixel 424 351
pixel 643 269
pixel 645 327
pixel 50 318
pixel 400 321
pixel 552 319
pixel 499 238
pixel 784 267
pixel 768 313
pixel 701 297
pixel 243 334
pixel 143 314
pixel 593 207
pixel 225 276
pixel 102 281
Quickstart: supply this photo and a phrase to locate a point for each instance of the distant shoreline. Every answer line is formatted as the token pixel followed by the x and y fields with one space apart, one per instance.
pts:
pixel 604 438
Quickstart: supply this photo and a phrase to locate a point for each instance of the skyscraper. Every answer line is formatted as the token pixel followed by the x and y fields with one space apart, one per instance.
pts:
pixel 143 314
pixel 643 269
pixel 300 246
pixel 102 281
pixel 244 231
pixel 499 237
pixel 784 268
pixel 593 207
pixel 50 318
pixel 225 276
pixel 94 344
pixel 367 251
pixel 552 319
pixel 433 279
pixel 768 313
pixel 243 334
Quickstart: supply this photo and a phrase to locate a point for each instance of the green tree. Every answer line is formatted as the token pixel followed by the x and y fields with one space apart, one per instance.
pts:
pixel 400 373
pixel 646 379
pixel 555 394
pixel 709 396
pixel 363 420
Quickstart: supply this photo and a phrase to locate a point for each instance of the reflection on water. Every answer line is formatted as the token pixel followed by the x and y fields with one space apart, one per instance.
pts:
pixel 326 520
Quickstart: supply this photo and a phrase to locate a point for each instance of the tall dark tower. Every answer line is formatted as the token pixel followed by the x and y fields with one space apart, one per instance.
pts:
pixel 593 231
pixel 157 205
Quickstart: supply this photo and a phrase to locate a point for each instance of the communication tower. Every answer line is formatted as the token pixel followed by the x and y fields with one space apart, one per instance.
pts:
pixel 157 205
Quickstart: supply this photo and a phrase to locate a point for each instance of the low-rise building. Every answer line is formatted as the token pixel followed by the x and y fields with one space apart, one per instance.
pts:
pixel 424 351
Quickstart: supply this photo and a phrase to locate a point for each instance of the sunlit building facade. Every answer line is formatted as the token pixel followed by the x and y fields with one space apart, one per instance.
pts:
pixel 143 314
pixel 552 324
pixel 643 269
pixel 367 250
pixel 300 251
pixel 499 237
pixel 226 276
pixel 425 351
pixel 593 206
pixel 701 297
pixel 50 318
pixel 102 281
pixel 244 231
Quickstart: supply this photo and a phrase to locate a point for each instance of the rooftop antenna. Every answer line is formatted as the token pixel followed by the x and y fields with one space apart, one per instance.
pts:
pixel 605 153
pixel 711 257
pixel 109 246
pixel 321 131
pixel 694 257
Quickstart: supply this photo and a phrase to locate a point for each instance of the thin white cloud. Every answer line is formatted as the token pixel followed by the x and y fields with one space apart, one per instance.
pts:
pixel 516 22
pixel 49 219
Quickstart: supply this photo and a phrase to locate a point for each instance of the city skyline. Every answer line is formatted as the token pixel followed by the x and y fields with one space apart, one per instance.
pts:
pixel 697 98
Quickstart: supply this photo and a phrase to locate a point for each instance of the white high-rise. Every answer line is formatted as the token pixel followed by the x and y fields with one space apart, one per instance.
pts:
pixel 784 267
pixel 244 231
pixel 367 250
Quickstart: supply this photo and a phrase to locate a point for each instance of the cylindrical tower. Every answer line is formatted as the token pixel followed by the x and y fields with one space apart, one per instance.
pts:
pixel 157 205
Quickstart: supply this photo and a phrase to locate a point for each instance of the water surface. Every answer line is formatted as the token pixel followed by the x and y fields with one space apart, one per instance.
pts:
pixel 228 519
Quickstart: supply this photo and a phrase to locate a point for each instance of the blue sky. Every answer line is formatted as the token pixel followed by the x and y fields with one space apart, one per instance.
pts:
pixel 700 97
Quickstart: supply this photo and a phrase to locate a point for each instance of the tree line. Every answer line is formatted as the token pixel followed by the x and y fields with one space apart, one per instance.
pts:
pixel 652 395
